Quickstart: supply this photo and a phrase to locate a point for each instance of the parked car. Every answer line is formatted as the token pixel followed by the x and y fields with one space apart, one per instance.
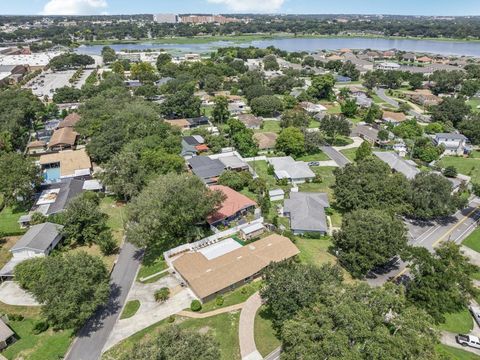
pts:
pixel 468 340
pixel 475 313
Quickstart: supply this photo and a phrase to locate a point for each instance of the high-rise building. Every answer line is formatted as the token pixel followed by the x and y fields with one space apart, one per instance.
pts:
pixel 165 18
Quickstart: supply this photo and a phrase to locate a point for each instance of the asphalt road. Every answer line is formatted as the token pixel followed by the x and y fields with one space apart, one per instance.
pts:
pixel 382 95
pixel 274 355
pixel 92 337
pixel 430 234
pixel 335 155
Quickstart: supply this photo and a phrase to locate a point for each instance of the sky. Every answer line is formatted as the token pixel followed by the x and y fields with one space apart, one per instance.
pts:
pixel 88 7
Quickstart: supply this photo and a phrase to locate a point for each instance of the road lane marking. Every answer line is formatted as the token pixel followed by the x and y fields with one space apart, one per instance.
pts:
pixel 454 227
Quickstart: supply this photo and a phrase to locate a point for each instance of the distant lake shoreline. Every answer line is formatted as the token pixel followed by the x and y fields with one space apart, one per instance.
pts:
pixel 304 43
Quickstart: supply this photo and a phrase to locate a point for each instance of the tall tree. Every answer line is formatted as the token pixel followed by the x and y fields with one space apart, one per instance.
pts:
pixel 322 87
pixel 291 141
pixel 19 179
pixel 441 283
pixel 358 322
pixel 334 126
pixel 70 287
pixel 364 151
pixel 220 110
pixel 170 211
pixel 108 55
pixel 367 239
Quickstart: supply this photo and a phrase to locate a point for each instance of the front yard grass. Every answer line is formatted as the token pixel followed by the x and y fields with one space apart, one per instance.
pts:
pixel 9 221
pixel 150 269
pixel 452 353
pixel 465 166
pixel 319 156
pixel 46 345
pixel 473 240
pixel 130 309
pixel 265 337
pixel 460 322
pixel 223 327
pixel 233 297
pixel 5 245
pixel 349 153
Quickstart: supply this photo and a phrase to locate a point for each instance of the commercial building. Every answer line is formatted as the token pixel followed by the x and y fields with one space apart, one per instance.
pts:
pixel 165 18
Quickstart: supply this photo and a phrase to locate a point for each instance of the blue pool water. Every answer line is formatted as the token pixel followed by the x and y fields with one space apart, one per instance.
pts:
pixel 52 174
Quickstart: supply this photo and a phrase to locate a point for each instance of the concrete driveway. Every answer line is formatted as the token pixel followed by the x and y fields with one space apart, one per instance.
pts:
pixel 150 311
pixel 12 294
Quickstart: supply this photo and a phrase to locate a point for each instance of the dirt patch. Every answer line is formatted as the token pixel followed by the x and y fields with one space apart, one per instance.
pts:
pixel 204 330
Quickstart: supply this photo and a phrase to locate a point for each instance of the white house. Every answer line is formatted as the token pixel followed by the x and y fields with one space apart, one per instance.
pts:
pixel 38 241
pixel 312 108
pixel 388 66
pixel 286 167
pixel 455 144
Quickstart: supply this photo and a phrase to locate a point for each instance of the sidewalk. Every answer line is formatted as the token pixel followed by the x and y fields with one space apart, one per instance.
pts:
pixel 248 349
pixel 198 315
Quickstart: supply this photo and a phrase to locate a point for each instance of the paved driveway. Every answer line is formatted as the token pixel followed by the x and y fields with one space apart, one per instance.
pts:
pixel 335 155
pixel 12 294
pixel 150 311
pixel 93 336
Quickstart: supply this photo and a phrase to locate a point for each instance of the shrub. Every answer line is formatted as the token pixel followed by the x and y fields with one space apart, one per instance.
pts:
pixel 162 295
pixel 107 243
pixel 450 171
pixel 15 317
pixel 171 319
pixel 219 301
pixel 39 327
pixel 196 305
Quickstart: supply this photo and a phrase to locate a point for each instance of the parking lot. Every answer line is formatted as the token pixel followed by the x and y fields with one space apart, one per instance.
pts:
pixel 48 82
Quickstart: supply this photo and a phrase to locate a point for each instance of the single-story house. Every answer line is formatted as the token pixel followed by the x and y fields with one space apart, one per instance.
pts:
pixel 363 100
pixel 55 197
pixel 312 108
pixel 36 147
pixel 307 212
pixel 365 132
pixel 70 120
pixel 409 57
pixel 206 168
pixel 342 79
pixel 65 164
pixel 198 121
pixel 209 276
pixel 251 231
pixel 234 206
pixel 276 194
pixel 237 107
pixel 393 117
pixel 232 161
pixel 388 66
pixel 287 168
pixel 193 145
pixel 266 140
pixel 400 148
pixel 455 144
pixel 63 138
pixel 397 164
pixel 424 60
pixel 250 121
pixel 6 335
pixel 39 240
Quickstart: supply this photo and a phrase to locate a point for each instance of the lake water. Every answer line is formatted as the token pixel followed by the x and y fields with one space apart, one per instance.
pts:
pixel 309 44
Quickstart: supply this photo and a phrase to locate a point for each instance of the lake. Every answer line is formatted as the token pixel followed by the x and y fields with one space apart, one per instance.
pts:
pixel 309 44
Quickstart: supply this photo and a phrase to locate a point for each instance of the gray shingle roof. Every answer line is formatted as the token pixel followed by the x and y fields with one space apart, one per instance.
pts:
pixel 307 211
pixel 69 188
pixel 294 169
pixel 398 164
pixel 450 136
pixel 205 168
pixel 38 237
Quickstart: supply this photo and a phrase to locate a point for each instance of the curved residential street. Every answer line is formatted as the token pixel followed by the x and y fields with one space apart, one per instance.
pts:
pixel 93 336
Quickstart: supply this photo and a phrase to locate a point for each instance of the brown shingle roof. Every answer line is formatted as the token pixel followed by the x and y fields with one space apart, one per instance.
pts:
pixel 70 120
pixel 70 161
pixel 266 140
pixel 395 116
pixel 233 203
pixel 207 277
pixel 250 120
pixel 36 143
pixel 63 136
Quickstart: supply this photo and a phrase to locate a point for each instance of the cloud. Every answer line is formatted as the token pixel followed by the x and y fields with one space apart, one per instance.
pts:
pixel 257 6
pixel 74 7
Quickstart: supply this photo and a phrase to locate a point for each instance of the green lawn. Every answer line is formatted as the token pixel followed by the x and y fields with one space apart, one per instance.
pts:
pixel 270 126
pixel 265 337
pixel 47 345
pixel 261 168
pixel 116 216
pixel 150 269
pixel 451 353
pixel 314 124
pixel 460 322
pixel 349 153
pixel 473 240
pixel 326 172
pixel 319 156
pixel 130 309
pixel 234 297
pixel 224 328
pixel 474 103
pixel 466 166
pixel 315 252
pixel 9 221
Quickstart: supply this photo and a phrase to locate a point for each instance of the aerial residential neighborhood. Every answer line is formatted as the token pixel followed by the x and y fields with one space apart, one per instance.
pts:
pixel 239 180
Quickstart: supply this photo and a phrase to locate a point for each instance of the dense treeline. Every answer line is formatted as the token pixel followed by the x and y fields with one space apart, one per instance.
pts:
pixel 142 26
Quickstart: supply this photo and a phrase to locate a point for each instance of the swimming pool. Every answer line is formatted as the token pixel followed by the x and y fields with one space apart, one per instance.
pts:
pixel 51 175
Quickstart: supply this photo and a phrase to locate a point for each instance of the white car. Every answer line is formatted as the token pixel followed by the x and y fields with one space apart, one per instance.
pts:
pixel 475 313
pixel 468 340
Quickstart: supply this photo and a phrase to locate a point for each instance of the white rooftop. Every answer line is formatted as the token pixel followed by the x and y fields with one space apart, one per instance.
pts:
pixel 220 248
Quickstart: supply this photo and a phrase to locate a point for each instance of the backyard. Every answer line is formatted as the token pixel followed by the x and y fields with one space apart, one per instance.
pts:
pixel 9 221
pixel 270 126
pixel 465 166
